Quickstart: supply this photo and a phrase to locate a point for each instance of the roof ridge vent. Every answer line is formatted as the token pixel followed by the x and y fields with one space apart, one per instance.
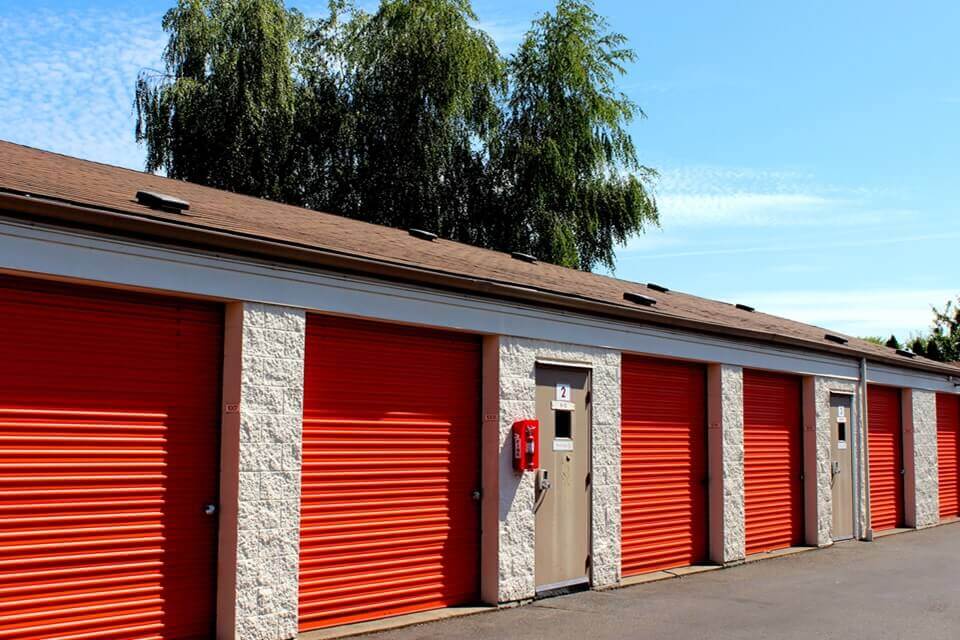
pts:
pixel 639 298
pixel 525 257
pixel 745 307
pixel 162 201
pixel 422 234
pixel 832 337
pixel 657 287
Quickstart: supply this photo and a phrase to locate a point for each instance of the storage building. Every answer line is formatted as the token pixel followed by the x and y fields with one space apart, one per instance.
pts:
pixel 226 417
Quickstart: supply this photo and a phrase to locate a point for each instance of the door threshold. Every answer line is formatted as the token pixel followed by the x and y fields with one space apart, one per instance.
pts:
pixel 562 588
pixel 393 622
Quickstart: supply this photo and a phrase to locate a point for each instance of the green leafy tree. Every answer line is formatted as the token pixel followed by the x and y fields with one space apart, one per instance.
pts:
pixel 946 331
pixel 323 158
pixel 222 112
pixel 573 187
pixel 943 342
pixel 407 116
pixel 425 84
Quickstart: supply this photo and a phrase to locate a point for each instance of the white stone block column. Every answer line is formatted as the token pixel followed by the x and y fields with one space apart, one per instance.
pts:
pixel 509 526
pixel 921 483
pixel 725 444
pixel 261 455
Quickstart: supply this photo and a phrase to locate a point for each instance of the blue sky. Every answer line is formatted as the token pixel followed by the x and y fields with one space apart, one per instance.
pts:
pixel 807 151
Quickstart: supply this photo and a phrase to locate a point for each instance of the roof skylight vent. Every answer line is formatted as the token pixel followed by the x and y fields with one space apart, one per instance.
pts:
pixel 639 298
pixel 835 338
pixel 423 235
pixel 906 353
pixel 162 201
pixel 657 287
pixel 744 307
pixel 525 257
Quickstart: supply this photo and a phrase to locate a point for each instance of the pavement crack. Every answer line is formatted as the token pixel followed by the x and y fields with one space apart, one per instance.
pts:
pixel 567 609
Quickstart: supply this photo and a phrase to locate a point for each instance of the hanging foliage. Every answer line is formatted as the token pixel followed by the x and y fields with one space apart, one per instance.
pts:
pixel 409 117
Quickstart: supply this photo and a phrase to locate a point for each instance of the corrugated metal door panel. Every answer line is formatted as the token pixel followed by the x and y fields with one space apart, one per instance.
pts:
pixel 773 461
pixel 948 449
pixel 391 458
pixel 886 457
pixel 663 464
pixel 109 418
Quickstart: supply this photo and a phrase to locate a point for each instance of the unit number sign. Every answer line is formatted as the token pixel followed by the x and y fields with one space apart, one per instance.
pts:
pixel 562 401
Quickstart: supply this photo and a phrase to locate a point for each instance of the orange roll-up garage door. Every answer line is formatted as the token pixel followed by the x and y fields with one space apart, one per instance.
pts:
pixel 948 449
pixel 389 523
pixel 663 464
pixel 773 461
pixel 109 449
pixel 886 457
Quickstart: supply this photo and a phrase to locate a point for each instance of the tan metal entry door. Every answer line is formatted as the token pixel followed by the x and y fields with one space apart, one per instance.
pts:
pixel 563 483
pixel 841 420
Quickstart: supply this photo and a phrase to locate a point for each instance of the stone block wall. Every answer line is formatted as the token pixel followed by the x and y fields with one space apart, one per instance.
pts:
pixel 725 444
pixel 516 360
pixel 260 477
pixel 922 483
pixel 820 529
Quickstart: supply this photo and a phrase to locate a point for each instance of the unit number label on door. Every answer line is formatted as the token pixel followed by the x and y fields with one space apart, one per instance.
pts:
pixel 563 391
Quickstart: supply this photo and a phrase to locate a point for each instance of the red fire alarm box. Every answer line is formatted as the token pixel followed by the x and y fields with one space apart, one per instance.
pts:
pixel 526 445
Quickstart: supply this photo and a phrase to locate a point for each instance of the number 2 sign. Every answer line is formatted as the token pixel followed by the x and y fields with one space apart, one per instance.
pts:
pixel 563 391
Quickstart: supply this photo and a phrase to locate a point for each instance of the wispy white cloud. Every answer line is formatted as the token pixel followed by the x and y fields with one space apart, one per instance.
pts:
pixel 67 79
pixel 714 180
pixel 743 209
pixel 703 197
pixel 856 312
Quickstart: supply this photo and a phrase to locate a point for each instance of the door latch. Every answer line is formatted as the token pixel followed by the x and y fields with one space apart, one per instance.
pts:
pixel 210 509
pixel 476 495
pixel 543 479
pixel 836 468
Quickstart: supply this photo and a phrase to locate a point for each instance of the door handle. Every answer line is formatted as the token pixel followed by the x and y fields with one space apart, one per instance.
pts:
pixel 210 509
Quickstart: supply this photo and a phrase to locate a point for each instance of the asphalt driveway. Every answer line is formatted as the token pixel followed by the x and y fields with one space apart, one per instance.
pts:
pixel 903 586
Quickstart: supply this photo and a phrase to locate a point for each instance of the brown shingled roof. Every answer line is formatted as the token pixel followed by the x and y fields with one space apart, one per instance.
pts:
pixel 102 188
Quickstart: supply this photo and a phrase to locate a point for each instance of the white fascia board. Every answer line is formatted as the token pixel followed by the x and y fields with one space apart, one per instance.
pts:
pixel 61 253
pixel 911 379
